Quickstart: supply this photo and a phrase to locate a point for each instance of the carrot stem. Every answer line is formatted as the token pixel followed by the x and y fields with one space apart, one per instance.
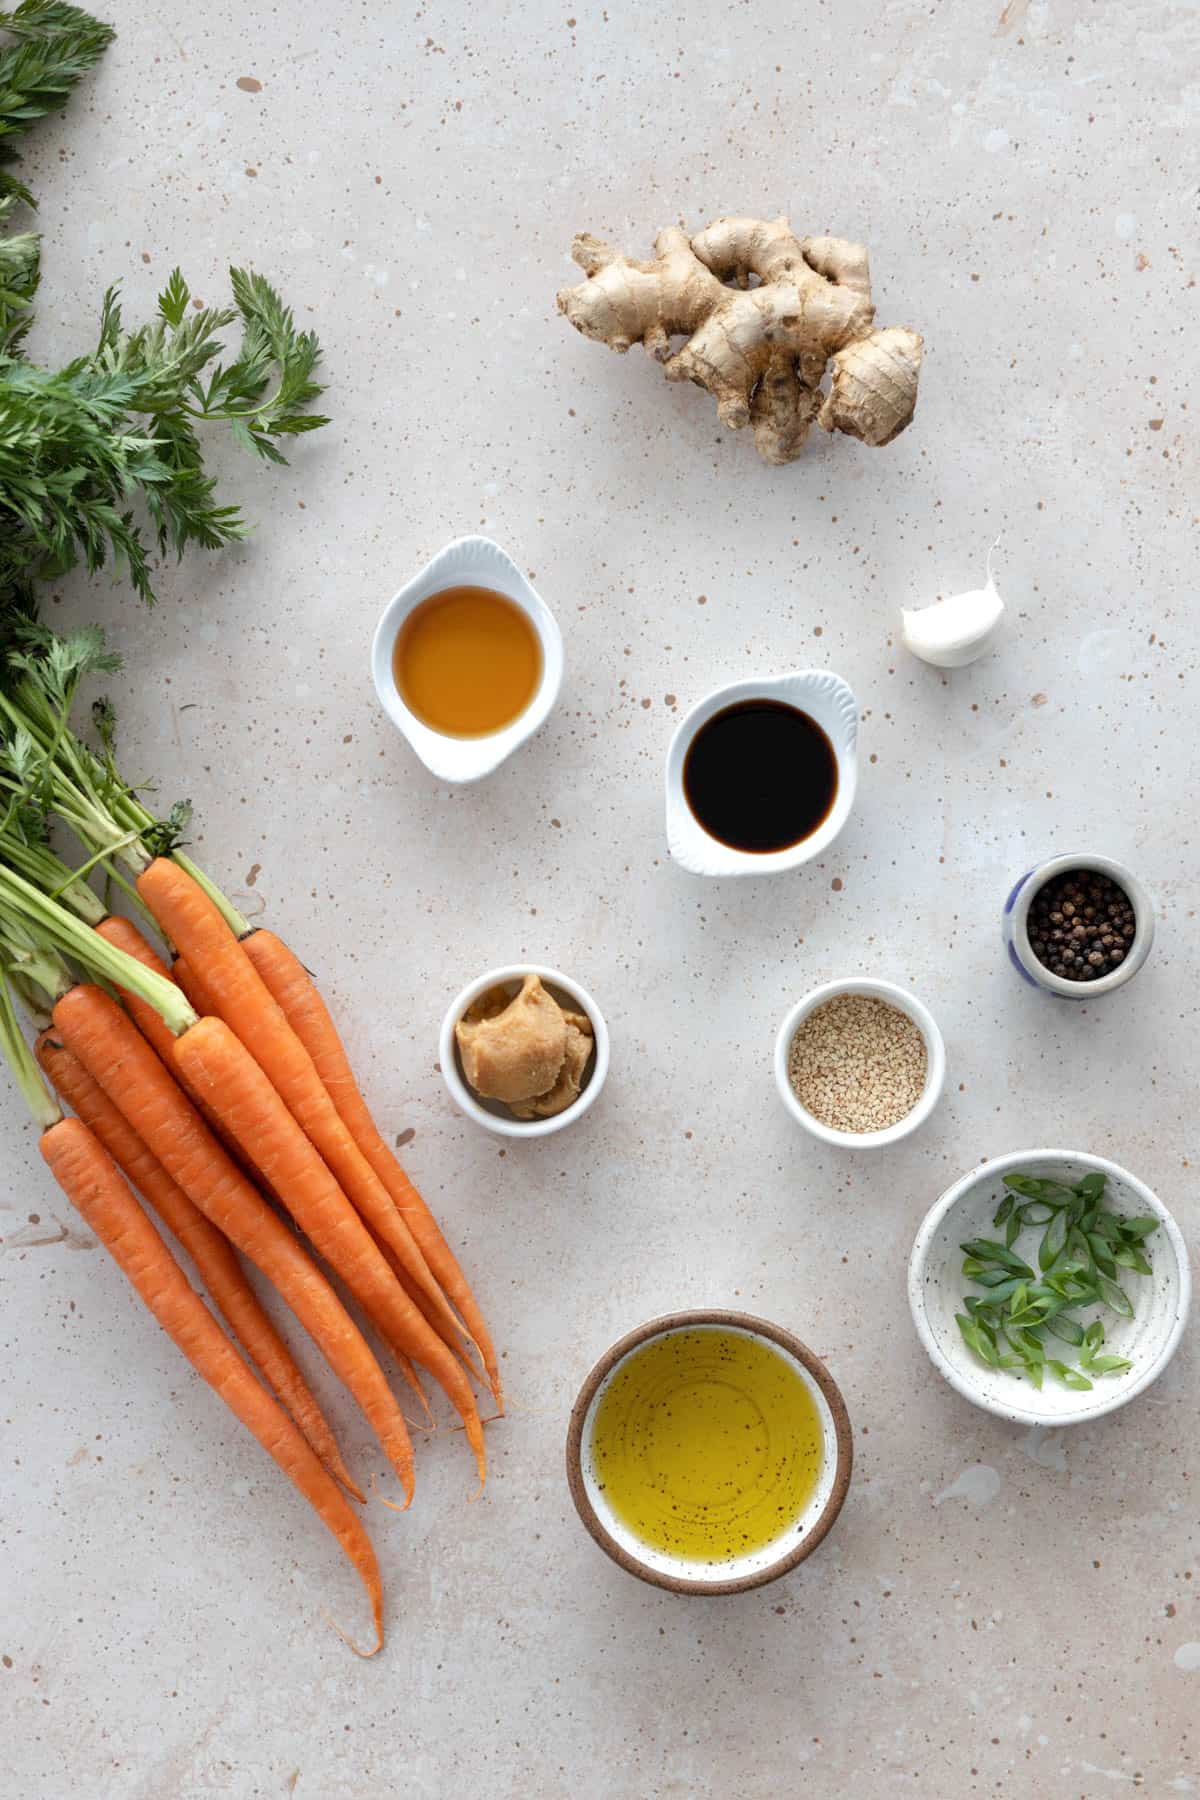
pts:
pixel 96 955
pixel 43 1107
pixel 39 864
pixel 33 962
pixel 228 911
pixel 78 799
pixel 90 796
pixel 99 858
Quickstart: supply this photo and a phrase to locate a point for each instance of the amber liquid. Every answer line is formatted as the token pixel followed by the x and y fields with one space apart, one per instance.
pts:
pixel 467 661
pixel 760 776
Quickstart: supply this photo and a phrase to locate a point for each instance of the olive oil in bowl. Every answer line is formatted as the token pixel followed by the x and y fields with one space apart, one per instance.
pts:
pixel 707 1444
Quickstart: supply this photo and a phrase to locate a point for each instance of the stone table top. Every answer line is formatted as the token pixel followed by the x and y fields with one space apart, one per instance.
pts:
pixel 999 1611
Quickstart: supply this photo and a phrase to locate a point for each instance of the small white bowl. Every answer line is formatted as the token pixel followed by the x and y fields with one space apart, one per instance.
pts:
pixel 467 562
pixel 936 1287
pixel 935 1070
pixel 828 700
pixel 493 1115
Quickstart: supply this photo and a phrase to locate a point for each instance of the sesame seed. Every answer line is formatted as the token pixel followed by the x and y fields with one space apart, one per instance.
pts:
pixel 857 1064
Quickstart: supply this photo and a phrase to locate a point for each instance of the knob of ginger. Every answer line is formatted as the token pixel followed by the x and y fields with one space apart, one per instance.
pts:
pixel 764 314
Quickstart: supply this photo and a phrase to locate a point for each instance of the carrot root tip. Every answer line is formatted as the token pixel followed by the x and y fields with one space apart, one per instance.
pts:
pixel 392 1505
pixel 349 1641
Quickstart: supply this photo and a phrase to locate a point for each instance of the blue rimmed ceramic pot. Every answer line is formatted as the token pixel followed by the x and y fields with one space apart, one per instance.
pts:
pixel 1015 925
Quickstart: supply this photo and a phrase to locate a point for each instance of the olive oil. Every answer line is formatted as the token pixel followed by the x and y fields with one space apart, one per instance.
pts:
pixel 467 661
pixel 707 1444
pixel 760 776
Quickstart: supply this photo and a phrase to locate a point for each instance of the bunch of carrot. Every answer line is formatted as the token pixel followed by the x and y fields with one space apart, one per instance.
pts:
pixel 220 1091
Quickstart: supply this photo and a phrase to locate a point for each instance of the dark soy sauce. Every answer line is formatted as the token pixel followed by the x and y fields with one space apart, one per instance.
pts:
pixel 760 776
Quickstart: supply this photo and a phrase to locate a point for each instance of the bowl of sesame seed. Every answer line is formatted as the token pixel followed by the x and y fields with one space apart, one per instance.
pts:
pixel 860 1064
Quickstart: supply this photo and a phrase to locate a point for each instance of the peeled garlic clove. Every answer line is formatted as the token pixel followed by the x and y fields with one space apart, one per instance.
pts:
pixel 953 632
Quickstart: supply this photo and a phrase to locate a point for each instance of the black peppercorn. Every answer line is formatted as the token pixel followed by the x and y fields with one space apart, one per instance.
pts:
pixel 1081 925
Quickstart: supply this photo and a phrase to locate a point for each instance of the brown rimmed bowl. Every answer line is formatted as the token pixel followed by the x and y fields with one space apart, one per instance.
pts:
pixel 684 1575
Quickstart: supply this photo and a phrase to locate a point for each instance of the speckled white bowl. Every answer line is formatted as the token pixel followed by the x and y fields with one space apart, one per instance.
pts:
pixel 493 1115
pixel 828 700
pixel 935 1069
pixel 470 562
pixel 936 1287
pixel 683 1575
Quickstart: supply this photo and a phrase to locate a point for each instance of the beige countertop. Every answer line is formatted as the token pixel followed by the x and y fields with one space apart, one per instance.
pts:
pixel 999 1611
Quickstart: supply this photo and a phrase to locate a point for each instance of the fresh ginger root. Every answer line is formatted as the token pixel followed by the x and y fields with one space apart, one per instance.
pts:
pixel 762 350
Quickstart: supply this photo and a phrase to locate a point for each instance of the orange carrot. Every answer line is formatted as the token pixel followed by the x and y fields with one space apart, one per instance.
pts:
pixel 116 1055
pixel 422 1305
pixel 214 1257
pixel 222 1070
pixel 404 1364
pixel 126 936
pixel 298 997
pixel 94 1185
pixel 184 974
pixel 201 1002
pixel 194 925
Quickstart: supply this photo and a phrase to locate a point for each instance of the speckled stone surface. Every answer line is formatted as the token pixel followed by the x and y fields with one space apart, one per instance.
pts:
pixel 997 1612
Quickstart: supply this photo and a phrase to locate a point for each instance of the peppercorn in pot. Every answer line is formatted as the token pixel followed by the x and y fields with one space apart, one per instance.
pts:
pixel 1081 925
